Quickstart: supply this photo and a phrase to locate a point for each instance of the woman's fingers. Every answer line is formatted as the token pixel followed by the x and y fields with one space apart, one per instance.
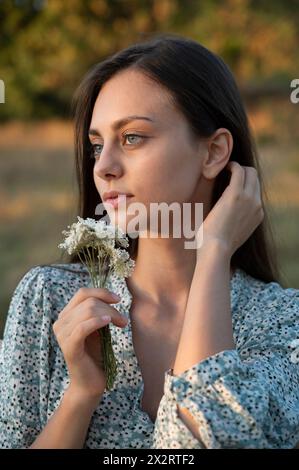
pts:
pixel 237 176
pixel 251 178
pixel 94 307
pixel 73 345
pixel 86 292
pixel 252 188
pixel 244 178
pixel 90 308
pixel 86 328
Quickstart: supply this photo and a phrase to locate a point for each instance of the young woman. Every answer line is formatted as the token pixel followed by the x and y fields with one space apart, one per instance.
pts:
pixel 205 338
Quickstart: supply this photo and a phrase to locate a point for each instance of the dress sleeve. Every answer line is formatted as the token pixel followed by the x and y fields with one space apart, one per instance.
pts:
pixel 24 363
pixel 246 397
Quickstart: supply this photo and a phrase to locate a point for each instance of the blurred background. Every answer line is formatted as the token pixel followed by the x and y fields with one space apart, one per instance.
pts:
pixel 45 49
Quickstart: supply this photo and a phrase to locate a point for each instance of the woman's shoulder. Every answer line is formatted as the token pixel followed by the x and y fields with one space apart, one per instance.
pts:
pixel 256 292
pixel 266 312
pixel 47 275
pixel 45 289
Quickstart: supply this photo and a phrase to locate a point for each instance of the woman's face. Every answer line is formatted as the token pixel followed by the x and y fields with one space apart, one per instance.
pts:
pixel 161 163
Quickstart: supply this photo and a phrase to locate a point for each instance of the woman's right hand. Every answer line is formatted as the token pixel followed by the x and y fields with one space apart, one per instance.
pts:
pixel 76 331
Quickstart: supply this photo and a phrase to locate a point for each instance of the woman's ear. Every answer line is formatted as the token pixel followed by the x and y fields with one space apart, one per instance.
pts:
pixel 218 150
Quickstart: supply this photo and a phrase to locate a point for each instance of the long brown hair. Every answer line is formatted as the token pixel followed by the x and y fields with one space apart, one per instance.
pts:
pixel 205 91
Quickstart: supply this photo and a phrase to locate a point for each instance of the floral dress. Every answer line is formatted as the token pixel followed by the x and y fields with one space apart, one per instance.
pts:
pixel 247 397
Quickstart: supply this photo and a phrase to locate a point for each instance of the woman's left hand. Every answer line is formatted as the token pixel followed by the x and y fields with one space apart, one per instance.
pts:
pixel 238 211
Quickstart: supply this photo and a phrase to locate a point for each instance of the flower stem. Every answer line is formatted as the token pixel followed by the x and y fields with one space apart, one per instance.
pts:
pixel 110 364
pixel 109 361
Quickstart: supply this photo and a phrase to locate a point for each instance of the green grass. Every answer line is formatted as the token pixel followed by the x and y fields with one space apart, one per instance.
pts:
pixel 32 184
pixel 285 221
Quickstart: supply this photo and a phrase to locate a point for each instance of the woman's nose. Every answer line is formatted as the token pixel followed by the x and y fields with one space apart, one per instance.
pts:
pixel 107 166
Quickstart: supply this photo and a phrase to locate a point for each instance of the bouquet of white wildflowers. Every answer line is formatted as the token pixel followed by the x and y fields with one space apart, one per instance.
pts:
pixel 100 247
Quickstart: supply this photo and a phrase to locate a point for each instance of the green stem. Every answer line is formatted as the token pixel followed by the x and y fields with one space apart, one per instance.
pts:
pixel 109 361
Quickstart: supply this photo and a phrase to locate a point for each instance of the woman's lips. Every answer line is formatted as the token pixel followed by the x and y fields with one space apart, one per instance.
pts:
pixel 115 201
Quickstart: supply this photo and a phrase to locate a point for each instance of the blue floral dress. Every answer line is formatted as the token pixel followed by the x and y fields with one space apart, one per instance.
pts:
pixel 246 397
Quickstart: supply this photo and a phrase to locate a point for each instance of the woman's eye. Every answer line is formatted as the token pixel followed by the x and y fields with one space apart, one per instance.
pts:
pixel 97 148
pixel 94 147
pixel 133 135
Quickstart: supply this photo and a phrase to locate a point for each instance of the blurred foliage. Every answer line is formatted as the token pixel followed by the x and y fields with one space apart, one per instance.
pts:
pixel 47 46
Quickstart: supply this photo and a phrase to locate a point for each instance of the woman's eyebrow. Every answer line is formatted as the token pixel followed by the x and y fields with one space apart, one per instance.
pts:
pixel 121 122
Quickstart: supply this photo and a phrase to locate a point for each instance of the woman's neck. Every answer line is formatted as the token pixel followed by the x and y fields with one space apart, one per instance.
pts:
pixel 163 271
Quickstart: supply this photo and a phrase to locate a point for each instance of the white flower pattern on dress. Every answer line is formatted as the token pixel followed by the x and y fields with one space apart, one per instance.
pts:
pixel 246 397
pixel 295 354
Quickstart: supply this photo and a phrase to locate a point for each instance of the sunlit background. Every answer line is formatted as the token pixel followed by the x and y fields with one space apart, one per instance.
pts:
pixel 45 49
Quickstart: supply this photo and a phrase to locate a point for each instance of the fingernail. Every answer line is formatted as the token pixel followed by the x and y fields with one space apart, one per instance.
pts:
pixel 115 296
pixel 106 317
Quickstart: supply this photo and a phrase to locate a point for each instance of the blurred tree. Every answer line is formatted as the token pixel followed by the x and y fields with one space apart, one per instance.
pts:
pixel 47 46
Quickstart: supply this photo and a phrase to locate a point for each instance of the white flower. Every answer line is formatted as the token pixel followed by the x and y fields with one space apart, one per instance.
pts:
pixel 122 263
pixel 294 343
pixel 100 247
pixel 107 241
pixel 295 354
